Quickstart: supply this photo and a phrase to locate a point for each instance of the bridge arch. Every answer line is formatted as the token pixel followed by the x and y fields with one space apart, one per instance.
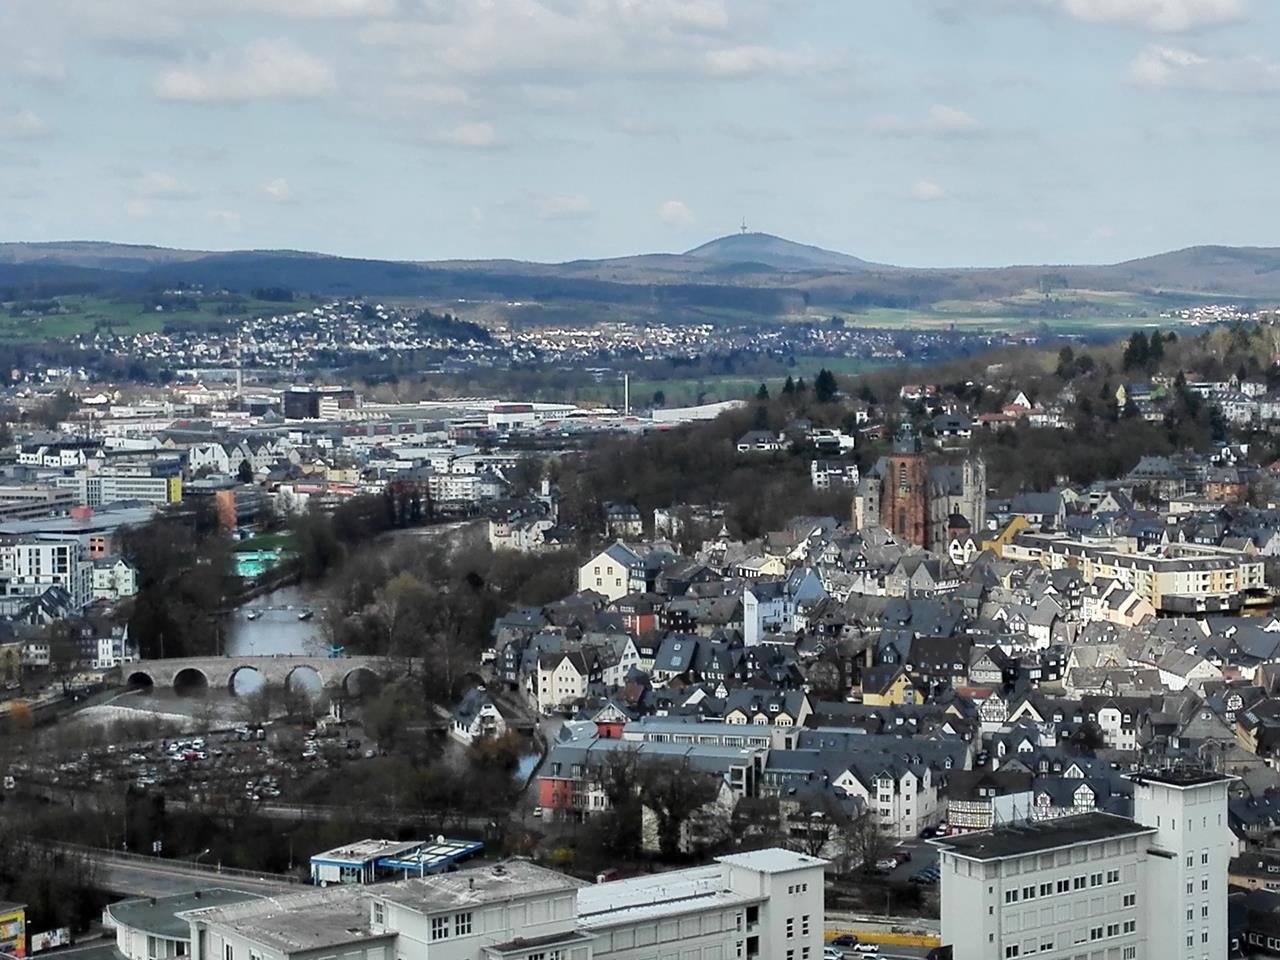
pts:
pixel 190 680
pixel 304 678
pixel 245 679
pixel 360 681
pixel 140 680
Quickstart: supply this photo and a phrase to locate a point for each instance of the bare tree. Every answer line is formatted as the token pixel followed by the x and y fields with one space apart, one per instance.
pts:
pixel 673 791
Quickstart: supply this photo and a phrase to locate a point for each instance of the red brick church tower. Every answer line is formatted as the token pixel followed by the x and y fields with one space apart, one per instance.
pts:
pixel 904 491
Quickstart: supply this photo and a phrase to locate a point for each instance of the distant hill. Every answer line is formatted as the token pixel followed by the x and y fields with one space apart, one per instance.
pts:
pixel 752 274
pixel 775 252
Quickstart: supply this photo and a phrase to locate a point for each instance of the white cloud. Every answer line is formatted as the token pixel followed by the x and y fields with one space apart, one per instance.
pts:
pixel 278 190
pixel 23 124
pixel 264 70
pixel 1163 16
pixel 750 60
pixel 157 186
pixel 675 213
pixel 571 206
pixel 229 220
pixel 940 121
pixel 472 136
pixel 318 9
pixel 927 191
pixel 1173 68
pixel 1157 16
pixel 569 42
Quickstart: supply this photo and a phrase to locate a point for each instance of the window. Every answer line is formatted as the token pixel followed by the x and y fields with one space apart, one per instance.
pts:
pixel 1130 953
pixel 1077 883
pixel 1064 886
pixel 439 928
pixel 1204 936
pixel 1029 893
pixel 1191 859
pixel 461 924
pixel 378 915
pixel 791 955
pixel 1095 933
pixel 804 925
pixel 228 952
pixel 1011 896
pixel 1011 951
pixel 1113 876
pixel 1204 858
pixel 1191 886
pixel 1191 913
pixel 1130 926
pixel 791 927
pixel 1204 883
pixel 1046 889
pixel 1130 899
pixel 1191 939
pixel 1113 929
pixel 1095 879
pixel 804 953
pixel 1046 943
pixel 1204 909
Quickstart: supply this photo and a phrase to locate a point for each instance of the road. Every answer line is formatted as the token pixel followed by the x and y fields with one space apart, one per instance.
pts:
pixel 147 877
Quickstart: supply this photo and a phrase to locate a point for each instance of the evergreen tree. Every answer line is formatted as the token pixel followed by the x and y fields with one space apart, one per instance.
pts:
pixel 762 393
pixel 801 386
pixel 1136 351
pixel 789 387
pixel 825 387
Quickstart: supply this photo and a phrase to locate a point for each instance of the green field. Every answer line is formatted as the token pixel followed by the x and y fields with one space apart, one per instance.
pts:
pixel 126 316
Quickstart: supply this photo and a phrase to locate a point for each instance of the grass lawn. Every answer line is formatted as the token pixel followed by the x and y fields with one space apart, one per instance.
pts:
pixel 265 541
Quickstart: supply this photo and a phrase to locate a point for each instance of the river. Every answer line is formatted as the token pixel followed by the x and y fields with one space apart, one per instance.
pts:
pixel 275 627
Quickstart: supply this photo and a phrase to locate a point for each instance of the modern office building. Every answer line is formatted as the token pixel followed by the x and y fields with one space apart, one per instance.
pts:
pixel 1097 886
pixel 764 905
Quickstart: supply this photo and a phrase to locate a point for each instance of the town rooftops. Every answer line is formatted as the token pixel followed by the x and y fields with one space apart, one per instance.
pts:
pixel 772 860
pixel 314 920
pixel 509 880
pixel 1180 777
pixel 158 916
pixel 1017 840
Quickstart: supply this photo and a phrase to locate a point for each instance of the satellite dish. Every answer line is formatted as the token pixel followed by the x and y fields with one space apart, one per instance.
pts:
pixel 440 838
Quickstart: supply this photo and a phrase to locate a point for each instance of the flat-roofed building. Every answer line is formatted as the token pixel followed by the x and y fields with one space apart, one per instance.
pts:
pixel 1097 885
pixel 763 905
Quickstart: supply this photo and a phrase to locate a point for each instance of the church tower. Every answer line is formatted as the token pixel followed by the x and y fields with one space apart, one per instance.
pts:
pixel 905 489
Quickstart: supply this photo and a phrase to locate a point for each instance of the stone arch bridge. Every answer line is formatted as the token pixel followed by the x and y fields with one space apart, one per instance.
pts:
pixel 339 674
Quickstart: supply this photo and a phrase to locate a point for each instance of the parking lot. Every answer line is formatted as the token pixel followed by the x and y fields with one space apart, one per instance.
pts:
pixel 254 763
pixel 924 856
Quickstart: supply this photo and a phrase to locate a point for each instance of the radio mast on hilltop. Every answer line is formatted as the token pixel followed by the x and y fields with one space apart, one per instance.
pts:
pixel 743 229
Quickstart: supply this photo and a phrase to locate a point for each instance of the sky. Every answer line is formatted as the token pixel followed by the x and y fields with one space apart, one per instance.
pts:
pixel 916 132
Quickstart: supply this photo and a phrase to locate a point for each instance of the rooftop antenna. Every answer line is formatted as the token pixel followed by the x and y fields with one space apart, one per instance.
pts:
pixel 743 229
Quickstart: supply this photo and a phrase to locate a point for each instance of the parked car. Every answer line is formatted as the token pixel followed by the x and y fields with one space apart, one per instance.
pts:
pixel 831 953
pixel 867 948
pixel 845 940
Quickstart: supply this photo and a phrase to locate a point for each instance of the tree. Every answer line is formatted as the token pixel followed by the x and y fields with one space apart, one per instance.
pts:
pixel 825 387
pixel 864 842
pixel 789 387
pixel 659 398
pixel 673 791
pixel 244 473
pixel 1137 351
pixel 762 393
pixel 1066 363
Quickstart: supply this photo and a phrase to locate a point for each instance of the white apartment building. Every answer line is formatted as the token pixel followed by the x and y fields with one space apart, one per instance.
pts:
pixel 765 905
pixel 32 563
pixel 1097 886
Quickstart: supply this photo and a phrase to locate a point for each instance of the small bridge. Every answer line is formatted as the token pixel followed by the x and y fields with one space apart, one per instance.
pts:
pixel 351 675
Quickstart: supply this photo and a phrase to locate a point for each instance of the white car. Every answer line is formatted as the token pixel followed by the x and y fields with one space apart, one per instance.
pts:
pixel 867 948
pixel 831 953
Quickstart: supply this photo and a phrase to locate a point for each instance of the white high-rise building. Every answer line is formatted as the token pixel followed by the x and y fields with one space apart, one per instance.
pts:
pixel 1186 878
pixel 1097 886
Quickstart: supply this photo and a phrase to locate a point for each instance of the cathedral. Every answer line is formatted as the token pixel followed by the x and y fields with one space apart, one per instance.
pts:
pixel 922 504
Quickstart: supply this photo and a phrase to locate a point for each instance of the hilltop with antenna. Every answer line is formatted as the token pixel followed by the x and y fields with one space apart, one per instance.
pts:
pixel 778 253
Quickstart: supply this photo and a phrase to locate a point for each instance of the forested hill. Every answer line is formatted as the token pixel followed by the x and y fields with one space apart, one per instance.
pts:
pixel 753 273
